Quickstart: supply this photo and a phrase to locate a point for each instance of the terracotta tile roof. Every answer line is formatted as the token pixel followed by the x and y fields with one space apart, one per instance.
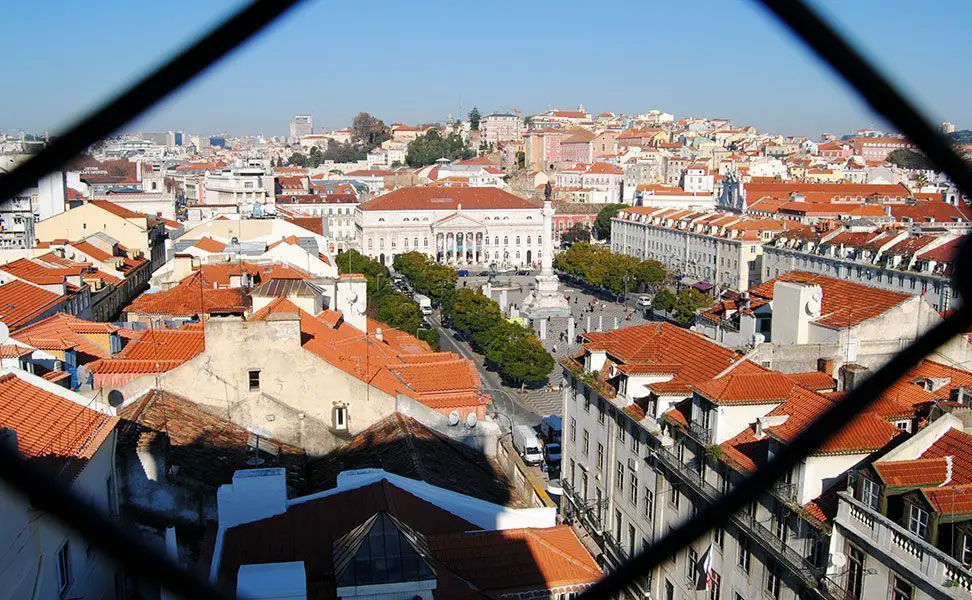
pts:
pixel 51 429
pixel 154 350
pixel 397 364
pixel 912 473
pixel 221 275
pixel 208 244
pixel 206 449
pixel 307 531
pixel 21 302
pixel 943 254
pixel 62 331
pixel 766 387
pixel 403 446
pixel 823 508
pixel 698 358
pixel 187 299
pixel 951 499
pixel 14 351
pixel 816 381
pixel 56 376
pixel 511 560
pixel 312 224
pixel 91 250
pixel 439 198
pixel 118 210
pixel 844 304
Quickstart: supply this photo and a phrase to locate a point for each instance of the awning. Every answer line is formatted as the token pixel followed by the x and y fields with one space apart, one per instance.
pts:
pixel 702 286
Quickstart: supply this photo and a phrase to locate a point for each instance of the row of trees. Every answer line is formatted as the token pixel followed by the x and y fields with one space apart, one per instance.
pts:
pixel 681 306
pixel 385 303
pixel 617 273
pixel 510 348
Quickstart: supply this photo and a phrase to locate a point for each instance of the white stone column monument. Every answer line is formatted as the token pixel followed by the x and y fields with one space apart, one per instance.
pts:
pixel 546 300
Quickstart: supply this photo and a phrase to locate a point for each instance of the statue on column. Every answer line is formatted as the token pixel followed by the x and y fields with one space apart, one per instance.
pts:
pixel 546 300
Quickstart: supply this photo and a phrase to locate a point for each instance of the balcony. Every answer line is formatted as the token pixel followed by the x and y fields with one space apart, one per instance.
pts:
pixel 701 433
pixel 781 552
pixel 904 548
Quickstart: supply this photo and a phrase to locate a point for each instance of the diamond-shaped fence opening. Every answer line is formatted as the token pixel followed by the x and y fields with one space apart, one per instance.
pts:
pixel 129 550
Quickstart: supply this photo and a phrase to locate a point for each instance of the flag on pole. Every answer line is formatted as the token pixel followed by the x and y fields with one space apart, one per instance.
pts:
pixel 703 570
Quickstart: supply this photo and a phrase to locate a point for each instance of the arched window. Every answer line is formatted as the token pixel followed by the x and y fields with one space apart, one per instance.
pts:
pixel 415 243
pixel 517 240
pixel 486 240
pixel 406 242
pixel 371 243
pixel 381 219
pixel 518 254
pixel 496 240
pixel 425 242
pixel 506 240
pixel 381 242
pixel 528 240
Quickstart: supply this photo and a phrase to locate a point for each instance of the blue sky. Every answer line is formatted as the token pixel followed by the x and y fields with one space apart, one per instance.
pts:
pixel 415 61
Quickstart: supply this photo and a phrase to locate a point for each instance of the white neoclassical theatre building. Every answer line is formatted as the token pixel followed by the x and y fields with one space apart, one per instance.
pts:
pixel 454 225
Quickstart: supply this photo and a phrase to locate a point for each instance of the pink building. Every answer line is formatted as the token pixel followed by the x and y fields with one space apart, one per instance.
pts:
pixel 542 148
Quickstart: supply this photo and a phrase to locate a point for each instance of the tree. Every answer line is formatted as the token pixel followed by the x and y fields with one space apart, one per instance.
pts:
pixel 688 302
pixel 315 158
pixel 425 150
pixel 474 314
pixel 297 159
pixel 474 118
pixel 909 159
pixel 518 356
pixel 437 282
pixel 341 152
pixel 520 159
pixel 411 264
pixel 399 311
pixel 352 261
pixel 663 300
pixel 368 132
pixel 602 225
pixel 579 233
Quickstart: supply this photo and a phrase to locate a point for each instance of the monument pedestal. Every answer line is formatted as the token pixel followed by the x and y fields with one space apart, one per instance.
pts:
pixel 546 300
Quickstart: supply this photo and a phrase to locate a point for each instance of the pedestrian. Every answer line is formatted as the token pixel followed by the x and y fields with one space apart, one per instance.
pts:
pixel 555 349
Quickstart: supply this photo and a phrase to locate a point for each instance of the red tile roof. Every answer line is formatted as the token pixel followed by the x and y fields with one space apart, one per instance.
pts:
pixel 154 350
pixel 439 198
pixel 766 387
pixel 91 250
pixel 208 244
pixel 191 298
pixel 118 210
pixel 844 304
pixel 816 381
pixel 489 563
pixel 511 560
pixel 62 331
pixel 51 430
pixel 21 303
pixel 665 346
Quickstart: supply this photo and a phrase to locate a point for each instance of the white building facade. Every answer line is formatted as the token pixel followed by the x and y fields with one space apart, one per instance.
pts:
pixel 452 225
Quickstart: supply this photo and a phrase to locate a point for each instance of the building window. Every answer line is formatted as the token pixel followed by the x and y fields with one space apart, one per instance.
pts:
pixel 600 411
pixel 669 590
pixel 673 496
pixel 587 442
pixel 966 556
pixel 620 479
pixel 715 585
pixel 573 429
pixel 506 240
pixel 772 581
pixel 633 490
pixel 341 418
pixel 719 537
pixel 617 526
pixel 855 572
pixel 64 576
pixel 692 560
pixel 254 379
pixel 600 456
pixel 632 537
pixel 743 557
pixel 635 442
pixel 622 428
pixel 649 504
pixel 870 493
pixel 918 521
pixel 901 589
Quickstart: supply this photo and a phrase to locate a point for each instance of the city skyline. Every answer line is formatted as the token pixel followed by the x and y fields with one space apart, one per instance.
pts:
pixel 712 59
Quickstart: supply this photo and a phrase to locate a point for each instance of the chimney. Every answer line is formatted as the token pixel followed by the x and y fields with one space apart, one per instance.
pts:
pixel 378 335
pixel 351 299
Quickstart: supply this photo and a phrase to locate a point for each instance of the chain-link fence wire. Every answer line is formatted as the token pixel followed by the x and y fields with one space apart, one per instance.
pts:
pixel 141 560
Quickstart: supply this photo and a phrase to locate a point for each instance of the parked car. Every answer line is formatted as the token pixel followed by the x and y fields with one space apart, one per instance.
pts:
pixel 551 454
pixel 463 272
pixel 644 301
pixel 527 445
pixel 523 272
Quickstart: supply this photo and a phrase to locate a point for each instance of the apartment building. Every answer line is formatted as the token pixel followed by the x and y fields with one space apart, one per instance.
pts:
pixel 895 260
pixel 498 128
pixel 659 422
pixel 640 457
pixel 603 180
pixel 721 249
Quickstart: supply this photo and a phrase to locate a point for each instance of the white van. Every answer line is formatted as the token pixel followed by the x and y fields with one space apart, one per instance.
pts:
pixel 527 444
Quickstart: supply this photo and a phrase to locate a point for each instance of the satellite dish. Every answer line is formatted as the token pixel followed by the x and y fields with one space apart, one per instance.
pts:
pixel 471 420
pixel 838 559
pixel 4 333
pixel 454 418
pixel 116 398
